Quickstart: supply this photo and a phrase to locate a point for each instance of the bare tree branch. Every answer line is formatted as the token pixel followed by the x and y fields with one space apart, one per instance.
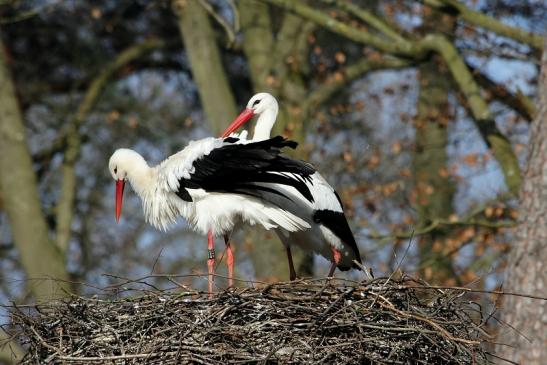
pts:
pixel 490 23
pixel 369 18
pixel 439 223
pixel 518 102
pixel 499 144
pixel 27 14
pixel 230 33
pixel 416 50
pixel 343 77
pixel 357 35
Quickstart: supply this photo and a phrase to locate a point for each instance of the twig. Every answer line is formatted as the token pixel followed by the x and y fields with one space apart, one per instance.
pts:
pixel 230 33
pixel 490 23
pixel 24 15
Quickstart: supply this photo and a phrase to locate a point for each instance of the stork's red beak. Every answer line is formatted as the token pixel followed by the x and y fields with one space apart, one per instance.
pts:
pixel 120 184
pixel 241 119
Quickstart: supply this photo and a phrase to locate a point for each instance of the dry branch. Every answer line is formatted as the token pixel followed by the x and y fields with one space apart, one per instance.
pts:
pixel 348 31
pixel 395 34
pixel 518 101
pixel 343 322
pixel 490 23
pixel 358 69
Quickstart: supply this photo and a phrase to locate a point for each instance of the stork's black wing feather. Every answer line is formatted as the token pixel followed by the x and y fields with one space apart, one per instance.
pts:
pixel 242 168
pixel 338 224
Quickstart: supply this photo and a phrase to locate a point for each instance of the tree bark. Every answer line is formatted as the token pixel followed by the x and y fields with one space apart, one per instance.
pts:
pixel 10 351
pixel 259 40
pixel 40 258
pixel 201 47
pixel 526 262
pixel 269 72
pixel 434 191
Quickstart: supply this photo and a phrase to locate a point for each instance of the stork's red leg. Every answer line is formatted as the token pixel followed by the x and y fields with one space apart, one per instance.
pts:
pixel 336 256
pixel 229 261
pixel 292 272
pixel 210 261
pixel 331 271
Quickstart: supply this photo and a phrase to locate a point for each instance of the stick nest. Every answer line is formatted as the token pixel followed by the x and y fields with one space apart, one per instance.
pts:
pixel 313 322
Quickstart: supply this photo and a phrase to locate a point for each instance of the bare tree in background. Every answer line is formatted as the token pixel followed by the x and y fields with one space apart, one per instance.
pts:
pixel 41 259
pixel 525 271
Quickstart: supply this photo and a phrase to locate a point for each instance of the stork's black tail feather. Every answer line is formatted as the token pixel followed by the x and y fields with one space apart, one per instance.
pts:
pixel 338 224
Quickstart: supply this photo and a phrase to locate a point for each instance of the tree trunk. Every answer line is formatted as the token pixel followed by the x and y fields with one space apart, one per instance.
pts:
pixel 10 351
pixel 434 191
pixel 526 262
pixel 270 72
pixel 258 42
pixel 39 256
pixel 207 71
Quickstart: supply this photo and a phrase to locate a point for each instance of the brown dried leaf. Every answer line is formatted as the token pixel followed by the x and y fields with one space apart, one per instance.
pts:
pixel 340 57
pixel 396 147
pixel 471 159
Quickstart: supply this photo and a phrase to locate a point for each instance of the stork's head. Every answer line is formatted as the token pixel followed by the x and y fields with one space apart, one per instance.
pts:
pixel 260 103
pixel 123 163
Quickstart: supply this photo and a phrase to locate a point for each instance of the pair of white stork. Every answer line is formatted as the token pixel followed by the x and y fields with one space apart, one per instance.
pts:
pixel 219 184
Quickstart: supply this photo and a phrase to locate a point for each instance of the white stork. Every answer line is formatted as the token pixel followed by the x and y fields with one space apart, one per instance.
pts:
pixel 330 234
pixel 216 184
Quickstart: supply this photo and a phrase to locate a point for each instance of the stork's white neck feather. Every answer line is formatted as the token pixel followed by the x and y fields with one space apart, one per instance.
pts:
pixel 141 176
pixel 265 123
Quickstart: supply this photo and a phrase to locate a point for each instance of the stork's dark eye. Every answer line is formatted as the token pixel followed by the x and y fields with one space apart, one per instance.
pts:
pixel 256 102
pixel 116 170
